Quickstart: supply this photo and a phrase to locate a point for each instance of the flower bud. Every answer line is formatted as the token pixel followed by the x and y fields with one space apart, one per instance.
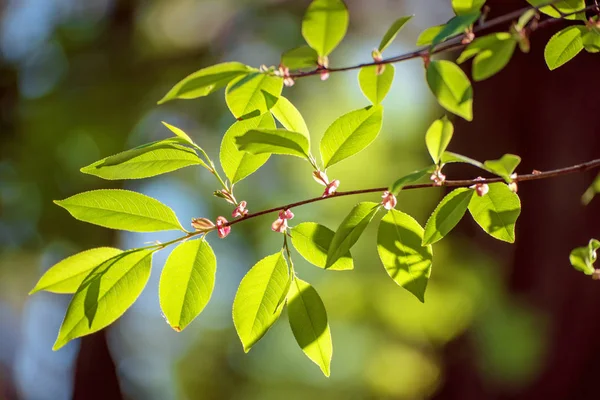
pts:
pixel 437 177
pixel 222 229
pixel 389 200
pixel 202 224
pixel 240 210
pixel 331 188
pixel 321 177
pixel 480 188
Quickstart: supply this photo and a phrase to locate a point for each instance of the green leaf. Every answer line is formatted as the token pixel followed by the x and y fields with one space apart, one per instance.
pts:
pixel 392 32
pixel 564 7
pixel 308 320
pixel 503 167
pixel 438 137
pixel 254 93
pixel 350 230
pixel 497 211
pixel 300 57
pixel 274 141
pixel 449 157
pixel 446 215
pixel 238 164
pixel 121 209
pixel 411 178
pixel 427 36
pixel 179 133
pixel 376 87
pixel 591 191
pixel 491 52
pixel 462 7
pixel 350 134
pixel 591 41
pixel 105 294
pixel 289 116
pixel 456 26
pixel 583 258
pixel 451 87
pixel 313 242
pixel 187 282
pixel 145 161
pixel 206 81
pixel 67 275
pixel 255 307
pixel 563 46
pixel 399 247
pixel 324 25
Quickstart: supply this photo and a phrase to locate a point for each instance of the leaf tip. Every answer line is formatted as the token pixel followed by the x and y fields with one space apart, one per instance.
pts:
pixel 177 328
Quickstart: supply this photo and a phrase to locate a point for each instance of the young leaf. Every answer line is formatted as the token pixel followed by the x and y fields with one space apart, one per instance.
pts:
pixel 289 116
pixel 179 133
pixel 206 81
pixel 563 46
pixel 67 275
pixel 451 87
pixel 406 261
pixel 491 52
pixel 105 294
pixel 255 307
pixel 187 282
pixel 350 230
pixel 563 6
pixel 427 36
pixel 313 242
pixel 238 164
pixel 308 320
pixel 462 7
pixel 591 41
pixel 324 25
pixel 274 141
pixel 350 134
pixel 438 137
pixel 121 209
pixel 411 178
pixel 591 191
pixel 449 157
pixel 145 161
pixel 583 258
pixel 392 32
pixel 503 167
pixel 376 86
pixel 456 26
pixel 254 93
pixel 497 211
pixel 446 215
pixel 300 57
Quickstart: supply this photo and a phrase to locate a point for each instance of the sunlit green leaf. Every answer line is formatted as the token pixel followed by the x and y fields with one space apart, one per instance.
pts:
pixel 105 294
pixel 449 157
pixel 300 57
pixel 206 81
pixel 583 258
pixel 411 178
pixel 563 46
pixel 350 230
pixel 446 215
pixel 563 6
pixel 427 36
pixel 254 93
pixel 462 7
pixel 121 209
pixel 179 133
pixel 350 134
pixel 591 41
pixel 456 26
pixel 392 32
pixel 239 164
pixel 491 52
pixel 145 161
pixel 67 275
pixel 503 167
pixel 325 24
pixel 274 141
pixel 255 307
pixel 497 211
pixel 406 261
pixel 313 241
pixel 289 116
pixel 187 282
pixel 438 137
pixel 375 87
pixel 451 87
pixel 308 320
pixel 591 191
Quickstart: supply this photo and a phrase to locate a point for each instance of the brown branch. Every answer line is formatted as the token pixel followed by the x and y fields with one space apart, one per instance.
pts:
pixel 453 43
pixel 453 183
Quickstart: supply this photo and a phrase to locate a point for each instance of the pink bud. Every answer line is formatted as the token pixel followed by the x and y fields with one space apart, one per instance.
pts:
pixel 437 177
pixel 389 200
pixel 331 188
pixel 280 225
pixel 321 177
pixel 225 194
pixel 222 229
pixel 513 185
pixel 286 214
pixel 240 210
pixel 202 224
pixel 480 188
pixel 324 75
pixel 288 81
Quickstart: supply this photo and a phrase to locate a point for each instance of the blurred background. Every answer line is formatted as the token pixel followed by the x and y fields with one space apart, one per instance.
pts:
pixel 79 80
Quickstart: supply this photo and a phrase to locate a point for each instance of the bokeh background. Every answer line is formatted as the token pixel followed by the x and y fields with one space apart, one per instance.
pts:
pixel 79 80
